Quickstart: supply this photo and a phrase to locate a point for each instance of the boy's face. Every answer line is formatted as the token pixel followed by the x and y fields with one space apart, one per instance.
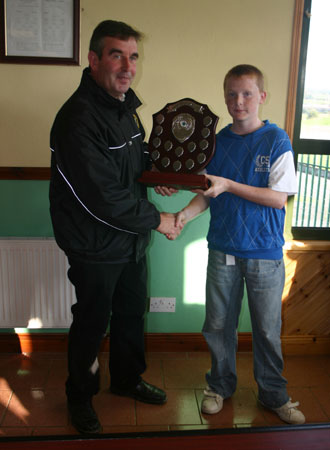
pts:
pixel 243 97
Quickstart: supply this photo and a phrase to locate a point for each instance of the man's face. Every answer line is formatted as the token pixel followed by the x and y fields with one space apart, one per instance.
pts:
pixel 243 97
pixel 116 69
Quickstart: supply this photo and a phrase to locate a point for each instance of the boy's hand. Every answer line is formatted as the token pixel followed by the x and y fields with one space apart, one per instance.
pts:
pixel 180 221
pixel 173 236
pixel 218 186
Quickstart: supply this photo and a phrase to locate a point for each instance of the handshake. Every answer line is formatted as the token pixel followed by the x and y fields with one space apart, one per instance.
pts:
pixel 171 224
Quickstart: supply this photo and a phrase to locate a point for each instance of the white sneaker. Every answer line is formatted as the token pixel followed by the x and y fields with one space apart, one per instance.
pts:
pixel 289 413
pixel 212 402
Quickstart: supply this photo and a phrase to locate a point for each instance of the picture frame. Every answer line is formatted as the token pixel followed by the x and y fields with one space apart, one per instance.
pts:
pixel 40 32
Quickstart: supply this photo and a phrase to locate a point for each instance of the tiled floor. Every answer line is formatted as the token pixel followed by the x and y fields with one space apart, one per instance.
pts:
pixel 32 399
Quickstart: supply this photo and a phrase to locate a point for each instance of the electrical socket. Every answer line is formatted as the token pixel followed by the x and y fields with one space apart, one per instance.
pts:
pixel 162 304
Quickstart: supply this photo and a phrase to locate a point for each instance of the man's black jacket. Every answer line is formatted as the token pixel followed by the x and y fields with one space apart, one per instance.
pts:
pixel 99 211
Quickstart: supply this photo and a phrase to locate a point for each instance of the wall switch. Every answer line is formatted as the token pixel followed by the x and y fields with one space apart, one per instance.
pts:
pixel 162 304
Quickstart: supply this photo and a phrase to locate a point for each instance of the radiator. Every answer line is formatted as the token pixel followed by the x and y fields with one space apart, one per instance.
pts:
pixel 34 289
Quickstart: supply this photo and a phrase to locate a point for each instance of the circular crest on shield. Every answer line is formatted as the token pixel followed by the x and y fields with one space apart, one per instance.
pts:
pixel 182 139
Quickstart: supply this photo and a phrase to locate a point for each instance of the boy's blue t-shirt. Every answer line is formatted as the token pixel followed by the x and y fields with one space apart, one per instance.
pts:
pixel 239 227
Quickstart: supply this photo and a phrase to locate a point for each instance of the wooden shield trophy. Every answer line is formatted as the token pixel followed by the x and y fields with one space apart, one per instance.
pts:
pixel 181 144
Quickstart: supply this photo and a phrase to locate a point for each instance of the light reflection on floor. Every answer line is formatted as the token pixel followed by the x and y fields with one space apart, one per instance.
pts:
pixel 33 402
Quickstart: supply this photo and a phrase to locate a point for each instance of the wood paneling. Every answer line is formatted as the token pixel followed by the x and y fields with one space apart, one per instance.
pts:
pixel 306 297
pixel 160 342
pixel 24 173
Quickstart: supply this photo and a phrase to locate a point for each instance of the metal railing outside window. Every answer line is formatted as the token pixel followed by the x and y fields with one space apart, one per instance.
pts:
pixel 312 203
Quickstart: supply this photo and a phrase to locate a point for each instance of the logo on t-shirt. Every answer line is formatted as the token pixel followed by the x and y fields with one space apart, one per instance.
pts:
pixel 262 164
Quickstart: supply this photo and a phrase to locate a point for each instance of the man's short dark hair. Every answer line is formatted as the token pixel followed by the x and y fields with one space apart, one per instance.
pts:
pixel 111 28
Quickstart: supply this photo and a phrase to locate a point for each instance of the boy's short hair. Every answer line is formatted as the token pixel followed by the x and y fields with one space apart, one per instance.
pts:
pixel 111 28
pixel 245 69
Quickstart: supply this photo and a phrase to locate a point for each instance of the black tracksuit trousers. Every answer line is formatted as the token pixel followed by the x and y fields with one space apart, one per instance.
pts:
pixel 115 292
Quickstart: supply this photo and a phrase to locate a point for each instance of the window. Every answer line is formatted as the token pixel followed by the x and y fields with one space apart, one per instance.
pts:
pixel 311 133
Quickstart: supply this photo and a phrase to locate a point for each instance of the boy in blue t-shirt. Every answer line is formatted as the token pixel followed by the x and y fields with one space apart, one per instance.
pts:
pixel 251 175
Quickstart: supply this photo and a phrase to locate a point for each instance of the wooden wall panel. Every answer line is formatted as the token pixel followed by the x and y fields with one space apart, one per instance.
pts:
pixel 306 296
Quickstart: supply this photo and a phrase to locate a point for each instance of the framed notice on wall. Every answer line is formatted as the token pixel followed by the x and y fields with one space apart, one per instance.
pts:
pixel 40 31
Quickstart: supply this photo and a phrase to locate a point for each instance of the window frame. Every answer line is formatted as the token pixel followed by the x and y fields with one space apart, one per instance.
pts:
pixel 294 111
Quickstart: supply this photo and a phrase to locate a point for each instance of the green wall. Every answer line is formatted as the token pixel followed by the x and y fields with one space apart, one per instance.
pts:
pixel 176 268
pixel 24 209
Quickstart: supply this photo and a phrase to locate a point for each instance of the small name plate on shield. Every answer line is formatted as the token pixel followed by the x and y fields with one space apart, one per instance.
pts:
pixel 181 144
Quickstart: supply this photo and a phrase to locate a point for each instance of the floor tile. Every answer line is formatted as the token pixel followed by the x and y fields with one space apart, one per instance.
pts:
pixel 309 405
pixel 306 371
pixel 54 431
pixel 188 373
pixel 181 408
pixel 322 394
pixel 57 374
pixel 135 429
pixel 15 431
pixel 244 366
pixel 32 385
pixel 114 410
pixel 25 372
pixel 36 408
pixel 325 362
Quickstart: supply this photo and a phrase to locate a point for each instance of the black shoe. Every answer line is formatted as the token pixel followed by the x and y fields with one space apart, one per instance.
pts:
pixel 143 391
pixel 84 418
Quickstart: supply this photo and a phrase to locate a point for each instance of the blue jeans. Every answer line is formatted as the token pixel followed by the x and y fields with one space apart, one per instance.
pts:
pixel 224 293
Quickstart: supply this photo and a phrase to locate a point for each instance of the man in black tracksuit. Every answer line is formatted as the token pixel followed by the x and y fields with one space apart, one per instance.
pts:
pixel 102 219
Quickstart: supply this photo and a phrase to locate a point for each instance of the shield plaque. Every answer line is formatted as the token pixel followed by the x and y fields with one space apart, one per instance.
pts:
pixel 181 144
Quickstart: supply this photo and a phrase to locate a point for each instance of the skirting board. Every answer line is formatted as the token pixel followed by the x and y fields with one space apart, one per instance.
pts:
pixel 160 342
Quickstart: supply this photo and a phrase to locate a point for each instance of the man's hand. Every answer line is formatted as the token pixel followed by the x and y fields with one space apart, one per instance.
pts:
pixel 167 224
pixel 180 221
pixel 165 190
